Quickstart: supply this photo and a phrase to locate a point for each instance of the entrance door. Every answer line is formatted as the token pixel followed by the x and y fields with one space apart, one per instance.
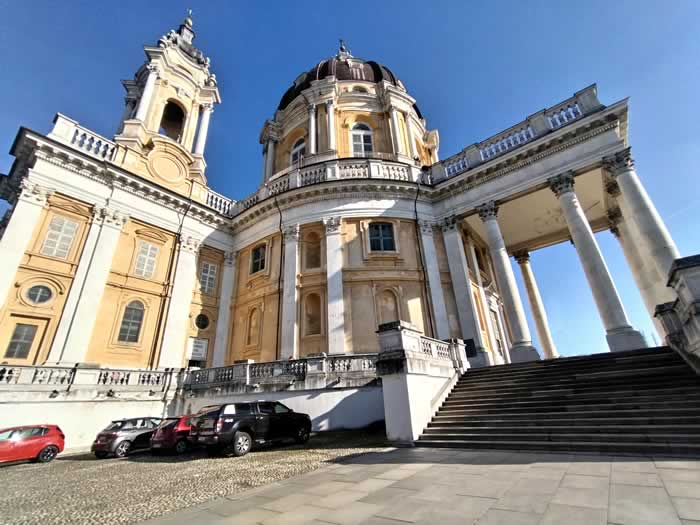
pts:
pixel 21 342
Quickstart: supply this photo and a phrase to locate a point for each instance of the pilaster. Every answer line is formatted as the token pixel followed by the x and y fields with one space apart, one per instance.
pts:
pixel 290 294
pixel 437 298
pixel 223 323
pixel 334 285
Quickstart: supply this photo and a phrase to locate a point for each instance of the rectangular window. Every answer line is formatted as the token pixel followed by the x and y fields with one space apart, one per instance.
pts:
pixel 198 349
pixel 381 237
pixel 257 259
pixel 59 237
pixel 21 342
pixel 146 260
pixel 207 278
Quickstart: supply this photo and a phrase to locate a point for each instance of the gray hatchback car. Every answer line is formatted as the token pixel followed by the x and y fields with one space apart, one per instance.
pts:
pixel 124 435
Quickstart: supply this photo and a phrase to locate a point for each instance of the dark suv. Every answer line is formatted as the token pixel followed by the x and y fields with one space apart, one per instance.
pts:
pixel 235 426
pixel 124 435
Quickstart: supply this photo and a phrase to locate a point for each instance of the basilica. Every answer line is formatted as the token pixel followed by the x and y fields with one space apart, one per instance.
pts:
pixel 116 253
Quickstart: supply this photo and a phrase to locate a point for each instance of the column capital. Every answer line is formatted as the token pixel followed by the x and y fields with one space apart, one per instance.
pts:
pixel 450 224
pixel 563 183
pixel 208 107
pixel 615 217
pixel 426 227
pixel 522 256
pixel 329 103
pixel 619 162
pixel 110 216
pixel 31 192
pixel 190 244
pixel 230 258
pixel 488 211
pixel 612 188
pixel 291 232
pixel 153 68
pixel 332 225
pixel 311 108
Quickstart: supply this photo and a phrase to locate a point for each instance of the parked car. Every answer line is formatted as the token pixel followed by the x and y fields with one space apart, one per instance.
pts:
pixel 41 443
pixel 172 435
pixel 236 426
pixel 124 435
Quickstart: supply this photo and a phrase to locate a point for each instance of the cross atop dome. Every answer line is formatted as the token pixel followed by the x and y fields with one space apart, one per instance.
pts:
pixel 343 51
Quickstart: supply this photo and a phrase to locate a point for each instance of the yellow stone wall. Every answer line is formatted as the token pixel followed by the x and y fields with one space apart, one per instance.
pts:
pixel 124 286
pixel 37 269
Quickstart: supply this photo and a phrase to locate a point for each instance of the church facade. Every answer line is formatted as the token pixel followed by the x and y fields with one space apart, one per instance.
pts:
pixel 117 253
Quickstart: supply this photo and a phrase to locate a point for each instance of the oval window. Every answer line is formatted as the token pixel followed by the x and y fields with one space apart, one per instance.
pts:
pixel 201 322
pixel 39 294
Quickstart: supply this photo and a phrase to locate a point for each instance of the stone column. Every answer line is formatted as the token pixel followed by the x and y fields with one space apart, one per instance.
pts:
pixel 330 111
pixel 522 349
pixel 334 276
pixel 536 306
pixel 437 298
pixel 471 250
pixel 269 159
pixel 395 135
pixel 619 334
pixel 644 277
pixel 312 129
pixel 147 94
pixel 17 235
pixel 290 295
pixel 177 321
pixel 77 322
pixel 207 110
pixel 461 283
pixel 409 137
pixel 655 239
pixel 223 322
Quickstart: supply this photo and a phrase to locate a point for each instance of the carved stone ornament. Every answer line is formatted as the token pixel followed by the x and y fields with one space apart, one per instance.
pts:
pixel 426 227
pixel 208 106
pixel 190 244
pixel 450 223
pixel 522 256
pixel 291 232
pixel 621 161
pixel 31 192
pixel 230 258
pixel 562 184
pixel 110 216
pixel 488 211
pixel 332 225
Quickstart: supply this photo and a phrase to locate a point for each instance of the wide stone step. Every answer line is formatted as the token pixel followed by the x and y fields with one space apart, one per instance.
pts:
pixel 678 428
pixel 536 420
pixel 618 407
pixel 685 449
pixel 619 437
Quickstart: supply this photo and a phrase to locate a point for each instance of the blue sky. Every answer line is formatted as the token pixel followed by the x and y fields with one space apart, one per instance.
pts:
pixel 475 68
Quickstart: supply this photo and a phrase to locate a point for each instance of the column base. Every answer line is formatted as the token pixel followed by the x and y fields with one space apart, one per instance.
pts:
pixel 626 338
pixel 523 353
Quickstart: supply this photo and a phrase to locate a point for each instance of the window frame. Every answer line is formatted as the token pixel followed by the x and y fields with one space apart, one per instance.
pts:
pixel 142 274
pixel 61 235
pixel 253 260
pixel 298 149
pixel 205 289
pixel 123 319
pixel 382 237
pixel 362 130
pixel 12 340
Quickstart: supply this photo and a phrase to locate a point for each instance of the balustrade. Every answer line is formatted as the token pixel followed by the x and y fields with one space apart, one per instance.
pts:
pixel 70 132
pixel 220 203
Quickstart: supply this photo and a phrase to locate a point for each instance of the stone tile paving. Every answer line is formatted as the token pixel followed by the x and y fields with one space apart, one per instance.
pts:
pixel 442 487
pixel 82 489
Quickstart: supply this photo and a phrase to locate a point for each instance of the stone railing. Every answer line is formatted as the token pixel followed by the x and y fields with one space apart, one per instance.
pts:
pixel 537 125
pixel 73 134
pixel 220 203
pixel 49 378
pixel 435 348
pixel 297 374
pixel 335 169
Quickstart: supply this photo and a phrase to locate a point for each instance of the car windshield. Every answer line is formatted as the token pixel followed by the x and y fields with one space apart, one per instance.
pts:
pixel 168 423
pixel 126 424
pixel 6 434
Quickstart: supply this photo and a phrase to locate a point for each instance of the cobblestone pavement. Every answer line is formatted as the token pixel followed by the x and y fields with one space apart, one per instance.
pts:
pixel 82 489
pixel 445 487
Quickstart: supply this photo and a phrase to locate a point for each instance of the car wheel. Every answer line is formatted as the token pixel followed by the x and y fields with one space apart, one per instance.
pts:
pixel 242 443
pixel 122 449
pixel 100 455
pixel 181 447
pixel 302 435
pixel 47 454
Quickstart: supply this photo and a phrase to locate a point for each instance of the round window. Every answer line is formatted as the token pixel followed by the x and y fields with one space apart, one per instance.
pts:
pixel 201 322
pixel 39 294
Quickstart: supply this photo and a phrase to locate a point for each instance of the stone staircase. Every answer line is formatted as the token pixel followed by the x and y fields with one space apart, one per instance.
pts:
pixel 641 401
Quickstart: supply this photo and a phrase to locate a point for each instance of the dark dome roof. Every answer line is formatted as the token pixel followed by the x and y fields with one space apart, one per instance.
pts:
pixel 339 66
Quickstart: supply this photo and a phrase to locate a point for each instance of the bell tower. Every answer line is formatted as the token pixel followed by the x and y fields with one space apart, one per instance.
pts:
pixel 169 104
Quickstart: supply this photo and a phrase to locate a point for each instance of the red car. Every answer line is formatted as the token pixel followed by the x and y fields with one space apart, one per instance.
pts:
pixel 40 443
pixel 171 435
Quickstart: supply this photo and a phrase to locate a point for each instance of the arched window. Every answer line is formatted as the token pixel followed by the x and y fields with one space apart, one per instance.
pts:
pixel 312 314
pixel 253 332
pixel 388 307
pixel 362 140
pixel 173 121
pixel 132 320
pixel 298 152
pixel 312 251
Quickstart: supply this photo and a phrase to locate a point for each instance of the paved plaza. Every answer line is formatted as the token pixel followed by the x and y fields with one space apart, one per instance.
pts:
pixel 441 487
